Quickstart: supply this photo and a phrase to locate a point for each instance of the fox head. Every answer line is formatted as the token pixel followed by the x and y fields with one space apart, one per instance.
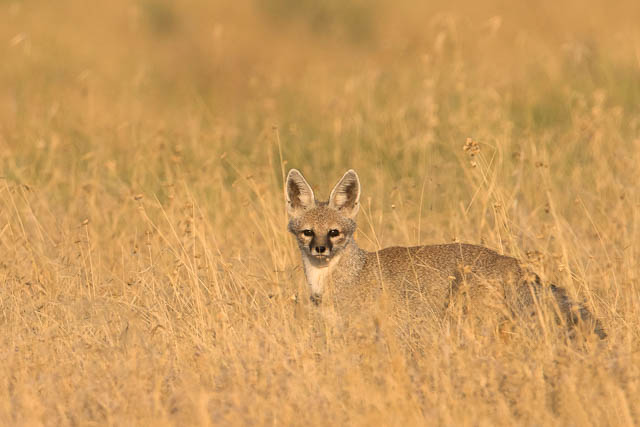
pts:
pixel 322 229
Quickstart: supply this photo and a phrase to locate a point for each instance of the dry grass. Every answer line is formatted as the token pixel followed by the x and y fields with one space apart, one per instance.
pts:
pixel 146 275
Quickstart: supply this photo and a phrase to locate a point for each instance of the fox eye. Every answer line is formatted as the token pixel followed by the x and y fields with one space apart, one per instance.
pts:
pixel 307 233
pixel 334 233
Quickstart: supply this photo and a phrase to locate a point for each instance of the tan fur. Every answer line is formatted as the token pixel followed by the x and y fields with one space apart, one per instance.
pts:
pixel 417 279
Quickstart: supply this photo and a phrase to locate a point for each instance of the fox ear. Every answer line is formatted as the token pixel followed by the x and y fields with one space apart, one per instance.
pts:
pixel 345 196
pixel 298 193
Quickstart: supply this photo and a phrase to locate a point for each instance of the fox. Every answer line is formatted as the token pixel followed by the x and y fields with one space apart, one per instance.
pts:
pixel 428 277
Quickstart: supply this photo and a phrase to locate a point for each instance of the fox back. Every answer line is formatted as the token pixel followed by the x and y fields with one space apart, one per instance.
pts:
pixel 420 279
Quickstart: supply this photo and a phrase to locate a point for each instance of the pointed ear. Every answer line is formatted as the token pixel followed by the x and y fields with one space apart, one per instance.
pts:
pixel 345 196
pixel 298 193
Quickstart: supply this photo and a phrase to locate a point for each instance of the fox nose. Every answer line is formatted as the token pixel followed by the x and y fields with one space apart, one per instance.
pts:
pixel 320 249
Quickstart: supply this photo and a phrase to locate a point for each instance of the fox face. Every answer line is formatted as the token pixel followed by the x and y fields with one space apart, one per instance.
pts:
pixel 322 229
pixel 321 233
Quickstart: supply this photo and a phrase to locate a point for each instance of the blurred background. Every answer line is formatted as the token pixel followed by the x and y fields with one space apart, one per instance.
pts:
pixel 130 96
pixel 107 76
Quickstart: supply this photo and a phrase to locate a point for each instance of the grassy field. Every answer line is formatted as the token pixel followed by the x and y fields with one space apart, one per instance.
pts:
pixel 146 274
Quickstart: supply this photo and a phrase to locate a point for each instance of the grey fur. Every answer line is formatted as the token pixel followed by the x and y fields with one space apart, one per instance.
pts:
pixel 420 278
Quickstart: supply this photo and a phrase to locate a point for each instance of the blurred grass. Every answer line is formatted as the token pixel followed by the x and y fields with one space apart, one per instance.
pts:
pixel 147 273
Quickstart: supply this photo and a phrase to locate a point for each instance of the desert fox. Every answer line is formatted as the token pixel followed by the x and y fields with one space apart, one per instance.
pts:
pixel 433 274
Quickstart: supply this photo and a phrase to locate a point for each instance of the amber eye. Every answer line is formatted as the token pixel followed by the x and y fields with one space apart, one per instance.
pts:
pixel 307 233
pixel 334 233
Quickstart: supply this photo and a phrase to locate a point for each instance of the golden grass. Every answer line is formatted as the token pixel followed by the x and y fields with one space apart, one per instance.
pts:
pixel 146 275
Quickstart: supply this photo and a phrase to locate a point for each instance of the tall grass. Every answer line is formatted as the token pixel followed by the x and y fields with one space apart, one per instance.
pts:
pixel 146 275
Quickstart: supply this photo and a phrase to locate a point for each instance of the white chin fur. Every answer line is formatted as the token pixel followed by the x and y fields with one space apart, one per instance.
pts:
pixel 318 274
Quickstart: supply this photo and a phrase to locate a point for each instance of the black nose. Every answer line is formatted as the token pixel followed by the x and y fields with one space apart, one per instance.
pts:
pixel 320 249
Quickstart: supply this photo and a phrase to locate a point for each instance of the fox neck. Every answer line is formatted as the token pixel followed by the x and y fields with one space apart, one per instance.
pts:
pixel 318 277
pixel 343 269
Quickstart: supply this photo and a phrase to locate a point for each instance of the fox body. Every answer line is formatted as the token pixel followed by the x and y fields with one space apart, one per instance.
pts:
pixel 420 277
